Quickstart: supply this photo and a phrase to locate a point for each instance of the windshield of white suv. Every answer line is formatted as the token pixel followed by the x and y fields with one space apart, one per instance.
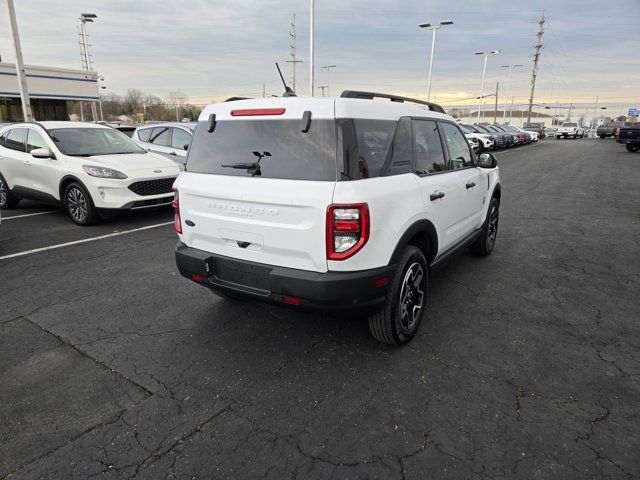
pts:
pixel 87 142
pixel 265 148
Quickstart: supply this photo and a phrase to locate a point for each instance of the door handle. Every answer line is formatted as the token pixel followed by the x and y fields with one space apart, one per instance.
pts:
pixel 436 195
pixel 471 185
pixel 173 153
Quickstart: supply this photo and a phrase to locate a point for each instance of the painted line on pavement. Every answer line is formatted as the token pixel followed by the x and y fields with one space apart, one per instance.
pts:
pixel 31 214
pixel 84 240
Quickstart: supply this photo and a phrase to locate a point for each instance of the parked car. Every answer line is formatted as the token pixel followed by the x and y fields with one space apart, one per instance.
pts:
pixel 550 131
pixel 499 141
pixel 616 126
pixel 485 140
pixel 508 137
pixel 529 135
pixel 570 129
pixel 126 129
pixel 518 139
pixel 168 139
pixel 86 167
pixel 304 202
pixel 473 141
pixel 537 127
pixel 630 137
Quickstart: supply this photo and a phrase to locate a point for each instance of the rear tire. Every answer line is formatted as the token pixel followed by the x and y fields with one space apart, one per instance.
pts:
pixel 483 246
pixel 633 148
pixel 79 205
pixel 7 199
pixel 602 137
pixel 398 320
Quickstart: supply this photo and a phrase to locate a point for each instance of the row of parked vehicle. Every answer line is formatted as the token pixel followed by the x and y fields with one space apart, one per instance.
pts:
pixel 485 137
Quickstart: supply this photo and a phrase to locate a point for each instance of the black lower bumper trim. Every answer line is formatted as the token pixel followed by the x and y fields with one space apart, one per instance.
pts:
pixel 330 290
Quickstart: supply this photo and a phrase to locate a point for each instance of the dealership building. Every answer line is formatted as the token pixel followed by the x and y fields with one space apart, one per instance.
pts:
pixel 50 89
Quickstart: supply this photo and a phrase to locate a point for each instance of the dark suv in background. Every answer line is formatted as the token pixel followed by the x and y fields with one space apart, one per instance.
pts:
pixel 535 127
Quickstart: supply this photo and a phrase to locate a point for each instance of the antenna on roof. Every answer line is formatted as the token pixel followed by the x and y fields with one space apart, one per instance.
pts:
pixel 287 90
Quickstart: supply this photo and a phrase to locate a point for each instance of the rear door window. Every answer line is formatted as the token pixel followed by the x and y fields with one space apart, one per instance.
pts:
pixel 278 147
pixel 160 136
pixel 16 139
pixel 429 154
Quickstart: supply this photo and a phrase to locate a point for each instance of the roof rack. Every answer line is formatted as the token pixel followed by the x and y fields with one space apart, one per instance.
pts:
pixel 394 98
pixel 233 99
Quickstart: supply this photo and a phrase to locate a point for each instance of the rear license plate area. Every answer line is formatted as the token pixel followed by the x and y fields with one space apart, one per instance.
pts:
pixel 241 273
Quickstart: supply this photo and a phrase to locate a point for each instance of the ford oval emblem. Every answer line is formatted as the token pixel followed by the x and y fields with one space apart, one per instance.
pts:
pixel 157 171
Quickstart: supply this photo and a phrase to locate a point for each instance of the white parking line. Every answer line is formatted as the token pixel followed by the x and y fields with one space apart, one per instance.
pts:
pixel 30 214
pixel 84 240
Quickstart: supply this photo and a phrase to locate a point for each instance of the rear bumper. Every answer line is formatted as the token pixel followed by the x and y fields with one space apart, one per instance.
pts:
pixel 628 141
pixel 280 285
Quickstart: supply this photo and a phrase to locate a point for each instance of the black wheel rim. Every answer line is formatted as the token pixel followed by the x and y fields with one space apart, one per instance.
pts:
pixel 412 296
pixel 3 193
pixel 492 227
pixel 77 204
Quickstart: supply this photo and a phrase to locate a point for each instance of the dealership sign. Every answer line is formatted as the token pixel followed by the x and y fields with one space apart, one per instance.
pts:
pixel 634 112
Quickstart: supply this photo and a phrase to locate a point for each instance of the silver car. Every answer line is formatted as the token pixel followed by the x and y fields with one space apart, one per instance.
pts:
pixel 169 139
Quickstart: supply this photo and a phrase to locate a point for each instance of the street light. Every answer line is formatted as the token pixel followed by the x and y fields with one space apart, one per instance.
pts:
pixel 484 71
pixel 506 99
pixel 328 67
pixel 84 19
pixel 433 29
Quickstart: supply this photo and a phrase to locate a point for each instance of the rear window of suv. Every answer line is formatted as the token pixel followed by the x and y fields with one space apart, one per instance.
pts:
pixel 569 124
pixel 283 150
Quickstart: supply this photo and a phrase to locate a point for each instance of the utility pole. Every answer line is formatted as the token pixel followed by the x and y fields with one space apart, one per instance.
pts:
pixel 264 90
pixel 328 68
pixel 536 61
pixel 506 98
pixel 292 48
pixel 311 57
pixel 484 72
pixel 20 70
pixel 593 120
pixel 84 19
pixel 569 114
pixel 495 108
pixel 322 87
pixel 513 99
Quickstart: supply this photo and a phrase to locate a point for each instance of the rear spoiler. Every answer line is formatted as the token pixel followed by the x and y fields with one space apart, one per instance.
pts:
pixel 434 107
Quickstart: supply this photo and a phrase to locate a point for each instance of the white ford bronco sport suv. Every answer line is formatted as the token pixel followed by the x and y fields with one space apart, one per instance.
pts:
pixel 332 202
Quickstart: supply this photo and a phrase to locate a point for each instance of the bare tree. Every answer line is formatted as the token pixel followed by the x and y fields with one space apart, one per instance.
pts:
pixel 177 100
pixel 134 101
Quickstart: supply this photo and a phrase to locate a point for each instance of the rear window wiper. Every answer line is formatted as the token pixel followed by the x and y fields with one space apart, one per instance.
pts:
pixel 253 168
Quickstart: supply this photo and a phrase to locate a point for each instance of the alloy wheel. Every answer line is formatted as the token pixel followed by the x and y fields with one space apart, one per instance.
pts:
pixel 77 204
pixel 492 230
pixel 3 193
pixel 412 296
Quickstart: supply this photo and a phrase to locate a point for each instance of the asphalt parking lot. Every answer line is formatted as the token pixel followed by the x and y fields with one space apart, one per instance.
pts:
pixel 114 366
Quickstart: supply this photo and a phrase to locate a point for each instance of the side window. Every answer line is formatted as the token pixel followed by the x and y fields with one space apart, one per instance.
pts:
pixel 180 138
pixel 15 139
pixel 160 136
pixel 35 140
pixel 428 147
pixel 3 140
pixel 458 146
pixel 144 134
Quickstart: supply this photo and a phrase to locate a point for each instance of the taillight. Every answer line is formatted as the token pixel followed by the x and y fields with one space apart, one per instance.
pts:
pixel 176 207
pixel 347 230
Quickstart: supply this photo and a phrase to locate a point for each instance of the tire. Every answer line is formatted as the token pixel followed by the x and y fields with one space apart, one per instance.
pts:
pixel 7 199
pixel 79 205
pixel 602 137
pixel 483 246
pixel 633 148
pixel 398 320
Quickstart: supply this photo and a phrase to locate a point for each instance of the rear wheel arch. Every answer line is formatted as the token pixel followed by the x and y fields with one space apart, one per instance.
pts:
pixel 421 234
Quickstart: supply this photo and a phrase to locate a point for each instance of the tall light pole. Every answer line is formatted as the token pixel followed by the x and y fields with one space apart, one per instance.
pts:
pixel 311 57
pixel 20 70
pixel 84 19
pixel 484 72
pixel 433 29
pixel 506 98
pixel 328 67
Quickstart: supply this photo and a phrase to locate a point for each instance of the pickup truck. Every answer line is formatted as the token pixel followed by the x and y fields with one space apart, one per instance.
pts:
pixel 630 137
pixel 605 131
pixel 570 129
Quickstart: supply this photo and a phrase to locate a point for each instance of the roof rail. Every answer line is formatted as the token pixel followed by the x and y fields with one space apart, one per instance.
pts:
pixel 394 98
pixel 233 99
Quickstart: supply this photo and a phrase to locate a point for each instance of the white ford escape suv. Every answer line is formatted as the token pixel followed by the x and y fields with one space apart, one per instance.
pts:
pixel 85 167
pixel 332 203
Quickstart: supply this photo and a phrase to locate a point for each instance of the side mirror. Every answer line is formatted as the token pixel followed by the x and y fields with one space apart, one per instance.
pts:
pixel 186 146
pixel 487 160
pixel 42 153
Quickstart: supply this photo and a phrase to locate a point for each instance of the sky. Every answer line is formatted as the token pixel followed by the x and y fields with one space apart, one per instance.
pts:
pixel 210 50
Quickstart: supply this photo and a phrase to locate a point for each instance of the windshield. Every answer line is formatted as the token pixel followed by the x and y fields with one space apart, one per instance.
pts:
pixel 86 142
pixel 265 148
pixel 467 129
